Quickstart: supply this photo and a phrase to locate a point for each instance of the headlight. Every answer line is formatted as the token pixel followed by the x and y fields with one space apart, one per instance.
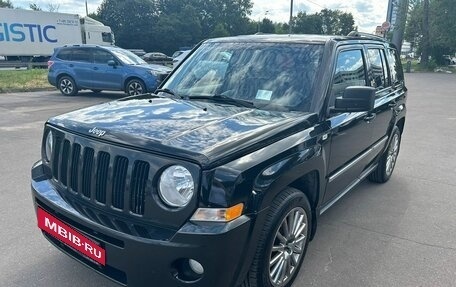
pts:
pixel 154 73
pixel 176 186
pixel 49 144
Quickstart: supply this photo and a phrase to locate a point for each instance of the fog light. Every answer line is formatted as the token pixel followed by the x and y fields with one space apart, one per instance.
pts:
pixel 196 266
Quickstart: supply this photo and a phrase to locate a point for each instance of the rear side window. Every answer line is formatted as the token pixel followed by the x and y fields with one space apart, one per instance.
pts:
pixel 350 71
pixel 394 66
pixel 82 55
pixel 64 54
pixel 379 71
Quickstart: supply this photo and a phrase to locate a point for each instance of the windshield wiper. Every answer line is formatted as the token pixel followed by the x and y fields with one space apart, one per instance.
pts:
pixel 169 92
pixel 225 99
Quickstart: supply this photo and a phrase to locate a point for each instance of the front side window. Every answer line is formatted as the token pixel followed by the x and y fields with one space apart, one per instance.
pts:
pixel 269 75
pixel 350 71
pixel 127 57
pixel 106 37
pixel 102 57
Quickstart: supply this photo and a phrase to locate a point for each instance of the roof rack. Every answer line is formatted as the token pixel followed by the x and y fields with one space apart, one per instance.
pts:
pixel 365 35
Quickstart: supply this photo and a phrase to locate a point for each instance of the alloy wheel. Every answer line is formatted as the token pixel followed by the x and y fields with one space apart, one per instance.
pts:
pixel 66 86
pixel 393 152
pixel 288 247
pixel 135 88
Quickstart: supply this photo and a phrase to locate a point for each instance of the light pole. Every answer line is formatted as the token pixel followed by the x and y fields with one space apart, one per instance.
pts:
pixel 291 17
pixel 259 20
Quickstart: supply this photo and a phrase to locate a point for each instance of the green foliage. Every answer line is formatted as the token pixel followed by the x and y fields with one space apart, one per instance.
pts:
pixel 166 25
pixel 267 26
pixel 6 4
pixel 442 27
pixel 328 22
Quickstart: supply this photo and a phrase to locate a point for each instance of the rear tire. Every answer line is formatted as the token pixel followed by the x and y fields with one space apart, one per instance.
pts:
pixel 283 241
pixel 135 87
pixel 67 86
pixel 388 160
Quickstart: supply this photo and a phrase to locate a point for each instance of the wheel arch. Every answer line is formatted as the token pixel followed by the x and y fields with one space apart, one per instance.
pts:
pixel 127 80
pixel 309 184
pixel 400 124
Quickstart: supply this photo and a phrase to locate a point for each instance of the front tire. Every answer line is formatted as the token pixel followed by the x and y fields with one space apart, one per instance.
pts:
pixel 388 160
pixel 67 86
pixel 283 241
pixel 135 87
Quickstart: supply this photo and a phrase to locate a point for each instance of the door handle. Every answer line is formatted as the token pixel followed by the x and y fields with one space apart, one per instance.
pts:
pixel 370 117
pixel 95 68
pixel 71 65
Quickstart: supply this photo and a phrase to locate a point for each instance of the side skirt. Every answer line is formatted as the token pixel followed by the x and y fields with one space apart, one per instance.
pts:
pixel 349 187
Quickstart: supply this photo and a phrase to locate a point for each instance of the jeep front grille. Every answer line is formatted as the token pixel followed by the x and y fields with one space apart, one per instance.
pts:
pixel 100 176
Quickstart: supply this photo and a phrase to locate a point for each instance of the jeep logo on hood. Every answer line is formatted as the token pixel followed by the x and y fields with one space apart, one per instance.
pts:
pixel 97 132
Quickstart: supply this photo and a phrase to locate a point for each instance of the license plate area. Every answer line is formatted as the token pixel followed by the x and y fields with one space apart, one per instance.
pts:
pixel 70 237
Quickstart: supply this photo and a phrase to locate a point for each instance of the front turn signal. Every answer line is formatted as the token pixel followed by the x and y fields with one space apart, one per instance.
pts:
pixel 218 214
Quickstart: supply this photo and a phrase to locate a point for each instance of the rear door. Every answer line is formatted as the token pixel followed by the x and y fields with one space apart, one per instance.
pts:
pixel 351 133
pixel 82 65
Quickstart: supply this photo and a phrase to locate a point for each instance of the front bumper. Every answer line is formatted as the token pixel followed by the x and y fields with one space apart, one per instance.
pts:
pixel 137 261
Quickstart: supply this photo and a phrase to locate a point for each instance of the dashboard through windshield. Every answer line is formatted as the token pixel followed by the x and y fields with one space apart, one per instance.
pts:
pixel 269 75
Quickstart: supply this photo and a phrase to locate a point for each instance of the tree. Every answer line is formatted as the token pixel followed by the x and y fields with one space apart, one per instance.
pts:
pixel 266 26
pixel 6 4
pixel 307 24
pixel 329 22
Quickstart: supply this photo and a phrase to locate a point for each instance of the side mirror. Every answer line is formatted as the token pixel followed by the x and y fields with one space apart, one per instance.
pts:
pixel 112 63
pixel 356 99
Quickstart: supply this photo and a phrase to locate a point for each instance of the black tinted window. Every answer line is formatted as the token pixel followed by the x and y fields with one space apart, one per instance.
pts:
pixel 106 37
pixel 394 66
pixel 64 54
pixel 350 71
pixel 102 57
pixel 82 55
pixel 379 77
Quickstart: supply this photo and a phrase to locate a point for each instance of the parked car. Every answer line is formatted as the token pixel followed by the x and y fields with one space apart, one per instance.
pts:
pixel 156 57
pixel 220 177
pixel 180 57
pixel 449 60
pixel 97 68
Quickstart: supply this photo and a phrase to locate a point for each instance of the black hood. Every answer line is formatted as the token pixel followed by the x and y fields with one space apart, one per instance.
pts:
pixel 201 131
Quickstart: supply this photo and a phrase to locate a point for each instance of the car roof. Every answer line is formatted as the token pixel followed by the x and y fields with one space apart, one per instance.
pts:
pixel 297 38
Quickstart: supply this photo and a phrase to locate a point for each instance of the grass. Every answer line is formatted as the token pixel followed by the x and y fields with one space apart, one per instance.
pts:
pixel 433 67
pixel 23 80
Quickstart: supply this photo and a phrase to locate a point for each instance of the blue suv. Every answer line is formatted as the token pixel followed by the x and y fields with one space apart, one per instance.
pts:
pixel 97 68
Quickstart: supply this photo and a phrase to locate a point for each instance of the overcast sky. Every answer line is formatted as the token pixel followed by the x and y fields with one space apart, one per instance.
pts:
pixel 367 13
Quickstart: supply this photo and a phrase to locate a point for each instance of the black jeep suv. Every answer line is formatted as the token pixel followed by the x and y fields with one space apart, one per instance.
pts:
pixel 219 178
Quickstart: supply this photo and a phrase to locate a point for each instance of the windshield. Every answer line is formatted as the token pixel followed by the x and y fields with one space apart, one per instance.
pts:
pixel 270 75
pixel 127 57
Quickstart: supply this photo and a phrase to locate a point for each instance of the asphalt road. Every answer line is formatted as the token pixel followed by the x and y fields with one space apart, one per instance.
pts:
pixel 402 233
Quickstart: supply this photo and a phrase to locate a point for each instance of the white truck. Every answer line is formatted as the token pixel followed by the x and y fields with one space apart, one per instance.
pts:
pixel 28 35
